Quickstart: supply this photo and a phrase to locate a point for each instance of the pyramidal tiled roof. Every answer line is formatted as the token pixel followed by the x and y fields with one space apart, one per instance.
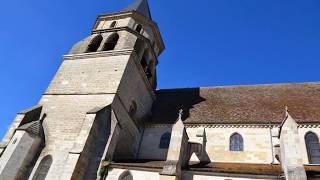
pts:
pixel 34 127
pixel 140 6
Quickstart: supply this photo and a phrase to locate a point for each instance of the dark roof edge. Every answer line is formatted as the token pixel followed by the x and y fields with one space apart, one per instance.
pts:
pixel 249 85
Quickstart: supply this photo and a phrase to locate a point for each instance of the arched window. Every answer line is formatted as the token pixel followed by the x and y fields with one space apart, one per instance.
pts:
pixel 313 147
pixel 236 142
pixel 165 141
pixel 139 28
pixel 43 168
pixel 113 24
pixel 95 43
pixel 126 176
pixel 111 42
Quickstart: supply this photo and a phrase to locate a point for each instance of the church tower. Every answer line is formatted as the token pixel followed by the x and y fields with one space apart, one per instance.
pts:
pixel 94 109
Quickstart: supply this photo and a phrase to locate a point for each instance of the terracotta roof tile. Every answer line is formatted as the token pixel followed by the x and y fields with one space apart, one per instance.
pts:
pixel 239 104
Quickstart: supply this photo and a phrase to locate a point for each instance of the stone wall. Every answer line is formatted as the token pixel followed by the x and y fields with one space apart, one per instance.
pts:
pixel 135 87
pixel 149 148
pixel 89 76
pixel 65 116
pixel 257 144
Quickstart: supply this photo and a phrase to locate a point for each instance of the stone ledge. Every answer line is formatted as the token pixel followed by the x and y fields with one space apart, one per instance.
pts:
pixel 97 109
pixel 170 168
pixel 139 165
pixel 97 54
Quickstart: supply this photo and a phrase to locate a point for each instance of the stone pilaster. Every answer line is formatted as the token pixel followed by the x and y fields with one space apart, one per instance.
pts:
pixel 83 159
pixel 290 150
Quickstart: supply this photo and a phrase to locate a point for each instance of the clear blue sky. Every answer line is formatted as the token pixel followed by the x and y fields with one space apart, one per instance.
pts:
pixel 208 43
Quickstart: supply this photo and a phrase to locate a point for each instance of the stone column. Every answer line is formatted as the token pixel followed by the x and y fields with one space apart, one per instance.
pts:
pixel 290 150
pixel 177 153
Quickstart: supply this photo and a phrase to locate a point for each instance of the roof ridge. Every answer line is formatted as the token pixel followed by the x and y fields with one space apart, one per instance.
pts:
pixel 247 85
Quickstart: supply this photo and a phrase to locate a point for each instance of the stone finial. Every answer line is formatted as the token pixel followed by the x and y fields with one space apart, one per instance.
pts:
pixel 286 110
pixel 180 114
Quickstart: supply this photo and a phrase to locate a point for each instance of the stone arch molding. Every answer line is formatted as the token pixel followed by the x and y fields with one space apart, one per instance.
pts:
pixel 126 175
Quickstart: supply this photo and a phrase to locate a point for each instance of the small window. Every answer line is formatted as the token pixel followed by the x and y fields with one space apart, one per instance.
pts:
pixel 133 109
pixel 144 63
pixel 95 43
pixel 148 73
pixel 126 176
pixel 313 148
pixel 111 42
pixel 139 28
pixel 113 24
pixel 43 168
pixel 165 141
pixel 14 141
pixel 236 142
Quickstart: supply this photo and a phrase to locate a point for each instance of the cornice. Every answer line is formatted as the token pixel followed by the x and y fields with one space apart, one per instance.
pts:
pixel 308 125
pixel 136 15
pixel 98 54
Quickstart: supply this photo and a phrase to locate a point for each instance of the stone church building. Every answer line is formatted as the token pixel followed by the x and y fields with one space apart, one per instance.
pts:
pixel 103 118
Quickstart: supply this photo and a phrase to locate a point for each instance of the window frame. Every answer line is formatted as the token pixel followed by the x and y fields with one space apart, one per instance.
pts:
pixel 165 140
pixel 308 150
pixel 235 146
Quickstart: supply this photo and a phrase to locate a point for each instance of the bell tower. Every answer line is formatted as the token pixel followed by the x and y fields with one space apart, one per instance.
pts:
pixel 95 107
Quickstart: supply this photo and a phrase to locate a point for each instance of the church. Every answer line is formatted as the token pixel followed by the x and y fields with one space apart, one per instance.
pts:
pixel 103 118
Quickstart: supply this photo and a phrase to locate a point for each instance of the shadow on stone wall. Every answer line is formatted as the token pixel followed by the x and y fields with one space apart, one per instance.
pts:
pixel 169 102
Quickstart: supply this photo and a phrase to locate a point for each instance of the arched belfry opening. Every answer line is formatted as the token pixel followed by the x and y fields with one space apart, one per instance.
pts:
pixel 111 42
pixel 95 43
pixel 138 28
pixel 313 147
